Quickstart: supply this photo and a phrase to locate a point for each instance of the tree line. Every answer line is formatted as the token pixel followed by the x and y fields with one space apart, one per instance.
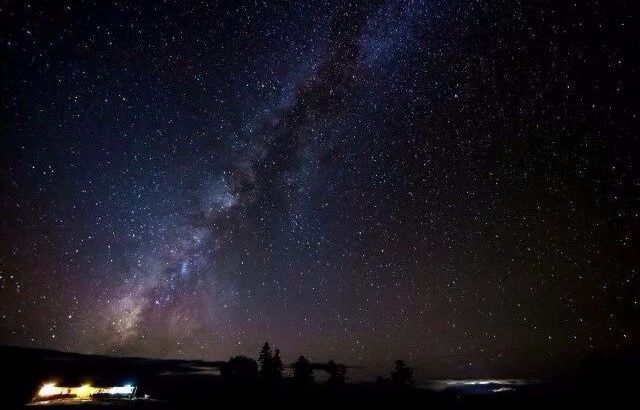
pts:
pixel 268 371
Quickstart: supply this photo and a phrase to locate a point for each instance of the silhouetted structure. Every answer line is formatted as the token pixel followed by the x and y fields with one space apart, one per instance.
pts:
pixel 302 373
pixel 402 375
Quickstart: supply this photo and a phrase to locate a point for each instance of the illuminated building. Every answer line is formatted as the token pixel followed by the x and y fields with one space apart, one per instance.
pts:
pixel 50 391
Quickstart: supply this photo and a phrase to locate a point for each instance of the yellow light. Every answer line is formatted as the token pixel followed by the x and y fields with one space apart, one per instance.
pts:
pixel 49 389
pixel 84 391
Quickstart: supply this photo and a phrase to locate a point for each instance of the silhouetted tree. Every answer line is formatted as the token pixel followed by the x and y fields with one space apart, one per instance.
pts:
pixel 336 372
pixel 240 370
pixel 266 363
pixel 302 372
pixel 402 375
pixel 277 366
pixel 270 366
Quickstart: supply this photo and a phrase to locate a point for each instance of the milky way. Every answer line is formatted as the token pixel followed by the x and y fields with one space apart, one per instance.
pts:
pixel 452 183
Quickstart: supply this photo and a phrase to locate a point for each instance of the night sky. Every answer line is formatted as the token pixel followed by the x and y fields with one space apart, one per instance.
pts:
pixel 453 183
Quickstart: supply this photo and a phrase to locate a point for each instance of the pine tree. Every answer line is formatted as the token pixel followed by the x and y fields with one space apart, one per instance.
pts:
pixel 266 363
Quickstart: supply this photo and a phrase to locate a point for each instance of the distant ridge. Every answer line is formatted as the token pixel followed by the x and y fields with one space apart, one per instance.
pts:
pixel 52 354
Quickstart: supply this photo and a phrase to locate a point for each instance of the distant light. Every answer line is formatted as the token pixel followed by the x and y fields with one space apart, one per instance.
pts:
pixel 85 391
pixel 127 389
pixel 49 389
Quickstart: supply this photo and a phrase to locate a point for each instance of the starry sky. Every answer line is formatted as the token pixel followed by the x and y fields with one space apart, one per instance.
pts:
pixel 454 183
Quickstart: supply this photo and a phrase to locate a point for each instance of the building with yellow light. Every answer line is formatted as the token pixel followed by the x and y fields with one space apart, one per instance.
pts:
pixel 50 392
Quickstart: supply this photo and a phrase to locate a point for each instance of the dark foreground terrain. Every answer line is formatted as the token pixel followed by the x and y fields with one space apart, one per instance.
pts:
pixel 602 382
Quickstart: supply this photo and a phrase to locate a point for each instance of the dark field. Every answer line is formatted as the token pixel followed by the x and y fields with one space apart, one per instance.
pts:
pixel 602 382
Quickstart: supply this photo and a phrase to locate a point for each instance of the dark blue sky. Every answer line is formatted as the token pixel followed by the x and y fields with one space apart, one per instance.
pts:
pixel 446 182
